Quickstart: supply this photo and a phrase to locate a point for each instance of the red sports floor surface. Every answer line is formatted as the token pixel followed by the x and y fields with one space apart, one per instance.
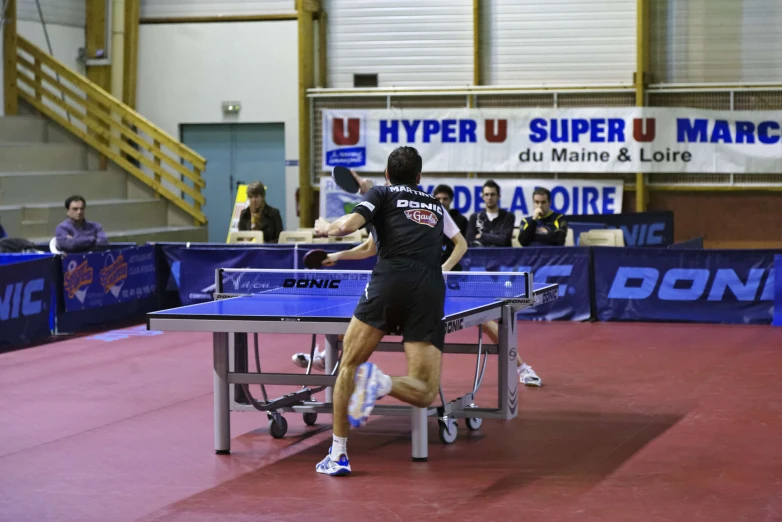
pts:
pixel 635 422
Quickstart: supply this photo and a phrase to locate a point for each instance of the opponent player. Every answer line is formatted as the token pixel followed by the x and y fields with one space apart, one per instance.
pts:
pixel 405 296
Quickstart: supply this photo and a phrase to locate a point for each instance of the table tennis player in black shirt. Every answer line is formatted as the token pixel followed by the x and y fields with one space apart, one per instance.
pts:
pixel 405 296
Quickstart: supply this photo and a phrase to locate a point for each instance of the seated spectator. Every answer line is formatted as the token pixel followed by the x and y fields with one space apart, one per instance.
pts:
pixel 544 227
pixel 493 226
pixel 260 216
pixel 76 234
pixel 444 195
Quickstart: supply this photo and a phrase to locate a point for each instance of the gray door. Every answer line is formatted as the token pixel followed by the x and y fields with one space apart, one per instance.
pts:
pixel 237 153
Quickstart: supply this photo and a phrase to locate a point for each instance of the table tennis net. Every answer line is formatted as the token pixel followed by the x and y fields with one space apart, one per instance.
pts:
pixel 353 283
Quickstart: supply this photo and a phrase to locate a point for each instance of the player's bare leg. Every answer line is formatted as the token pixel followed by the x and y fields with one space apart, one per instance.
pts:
pixel 422 382
pixel 359 343
pixel 527 375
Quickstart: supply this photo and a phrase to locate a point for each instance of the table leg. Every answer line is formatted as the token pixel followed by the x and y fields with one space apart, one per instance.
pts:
pixel 221 394
pixel 332 355
pixel 508 380
pixel 420 434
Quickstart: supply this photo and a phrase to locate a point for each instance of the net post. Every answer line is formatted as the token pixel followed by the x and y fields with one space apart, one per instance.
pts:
pixel 529 287
pixel 219 281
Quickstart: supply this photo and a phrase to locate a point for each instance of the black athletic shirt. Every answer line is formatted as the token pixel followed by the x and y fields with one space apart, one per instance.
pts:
pixel 406 223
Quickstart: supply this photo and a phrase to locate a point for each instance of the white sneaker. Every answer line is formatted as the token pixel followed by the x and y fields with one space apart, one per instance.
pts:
pixel 527 376
pixel 302 359
pixel 366 390
pixel 335 468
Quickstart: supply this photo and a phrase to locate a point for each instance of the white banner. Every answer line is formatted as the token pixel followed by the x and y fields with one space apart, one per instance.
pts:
pixel 567 196
pixel 622 140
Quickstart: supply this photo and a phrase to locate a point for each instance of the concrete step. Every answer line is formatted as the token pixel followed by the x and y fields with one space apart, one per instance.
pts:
pixel 25 188
pixel 25 129
pixel 36 228
pixel 117 215
pixel 36 157
pixel 150 235
pixel 161 234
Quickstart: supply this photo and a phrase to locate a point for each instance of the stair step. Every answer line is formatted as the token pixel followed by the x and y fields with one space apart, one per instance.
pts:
pixel 154 234
pixel 113 214
pixel 25 157
pixel 25 188
pixel 16 129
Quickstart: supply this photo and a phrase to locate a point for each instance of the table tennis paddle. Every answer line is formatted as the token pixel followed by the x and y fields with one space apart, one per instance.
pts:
pixel 345 180
pixel 315 258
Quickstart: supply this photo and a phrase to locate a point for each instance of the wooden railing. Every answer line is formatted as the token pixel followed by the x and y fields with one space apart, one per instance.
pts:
pixel 112 128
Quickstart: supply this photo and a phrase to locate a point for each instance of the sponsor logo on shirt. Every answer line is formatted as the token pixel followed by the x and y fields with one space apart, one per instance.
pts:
pixel 422 217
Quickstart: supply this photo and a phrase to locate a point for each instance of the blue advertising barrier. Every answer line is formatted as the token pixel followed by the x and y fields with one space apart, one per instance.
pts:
pixel 718 286
pixel 692 244
pixel 567 266
pixel 778 292
pixel 197 279
pixel 640 228
pixel 26 292
pixel 8 259
pixel 96 280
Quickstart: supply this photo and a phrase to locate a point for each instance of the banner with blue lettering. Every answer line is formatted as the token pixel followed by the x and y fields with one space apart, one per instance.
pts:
pixel 569 267
pixel 26 301
pixel 704 286
pixel 639 228
pixel 100 279
pixel 568 196
pixel 198 265
pixel 596 140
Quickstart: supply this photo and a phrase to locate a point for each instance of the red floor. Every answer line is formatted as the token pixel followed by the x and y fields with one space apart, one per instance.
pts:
pixel 635 422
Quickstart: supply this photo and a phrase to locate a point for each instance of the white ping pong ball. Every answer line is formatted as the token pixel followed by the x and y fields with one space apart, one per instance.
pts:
pixel 508 284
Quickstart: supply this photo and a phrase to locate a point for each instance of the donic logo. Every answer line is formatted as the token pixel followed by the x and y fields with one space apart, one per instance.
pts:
pixel 22 299
pixel 422 217
pixel 454 326
pixel 311 283
pixel 691 284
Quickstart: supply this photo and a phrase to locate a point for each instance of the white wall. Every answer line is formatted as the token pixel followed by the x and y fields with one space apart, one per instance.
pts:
pixel 61 12
pixel 565 42
pixel 408 43
pixel 716 41
pixel 186 71
pixel 184 8
pixel 66 41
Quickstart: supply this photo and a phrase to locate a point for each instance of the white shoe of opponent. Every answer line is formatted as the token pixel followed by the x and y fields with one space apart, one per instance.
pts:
pixel 302 359
pixel 527 376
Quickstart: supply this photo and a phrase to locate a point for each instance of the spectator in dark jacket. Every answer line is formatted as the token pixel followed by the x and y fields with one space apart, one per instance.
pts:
pixel 260 216
pixel 493 226
pixel 544 227
pixel 76 234
pixel 444 194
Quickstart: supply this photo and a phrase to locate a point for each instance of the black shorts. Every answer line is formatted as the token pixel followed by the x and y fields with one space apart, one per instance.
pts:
pixel 405 298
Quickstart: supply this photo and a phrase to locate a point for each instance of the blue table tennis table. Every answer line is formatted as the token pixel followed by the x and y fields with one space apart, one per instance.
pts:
pixel 314 302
